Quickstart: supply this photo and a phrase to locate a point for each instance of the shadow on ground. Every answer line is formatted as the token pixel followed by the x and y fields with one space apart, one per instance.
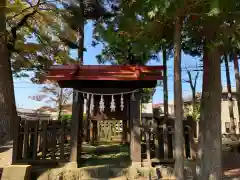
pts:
pixel 6 146
pixel 1 171
pixel 97 161
pixel 105 155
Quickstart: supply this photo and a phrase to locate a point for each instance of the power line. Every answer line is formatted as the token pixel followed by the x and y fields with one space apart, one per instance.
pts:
pixel 25 82
pixel 24 87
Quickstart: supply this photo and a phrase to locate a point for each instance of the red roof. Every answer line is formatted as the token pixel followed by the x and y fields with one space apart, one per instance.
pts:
pixel 104 72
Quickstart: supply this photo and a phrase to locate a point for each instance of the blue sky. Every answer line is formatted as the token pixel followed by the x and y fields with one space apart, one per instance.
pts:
pixel 24 88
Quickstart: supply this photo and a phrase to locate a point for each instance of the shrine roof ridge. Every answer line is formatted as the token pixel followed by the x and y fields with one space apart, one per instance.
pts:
pixel 113 67
pixel 104 72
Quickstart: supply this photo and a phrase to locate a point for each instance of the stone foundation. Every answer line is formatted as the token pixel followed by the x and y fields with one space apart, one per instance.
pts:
pixel 16 172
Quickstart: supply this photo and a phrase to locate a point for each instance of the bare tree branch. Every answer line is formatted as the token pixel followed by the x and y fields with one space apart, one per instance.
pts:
pixel 192 81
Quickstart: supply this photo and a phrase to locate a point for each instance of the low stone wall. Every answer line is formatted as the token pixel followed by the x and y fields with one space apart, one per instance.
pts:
pixel 26 172
pixel 96 172
pixel 16 172
pixel 110 172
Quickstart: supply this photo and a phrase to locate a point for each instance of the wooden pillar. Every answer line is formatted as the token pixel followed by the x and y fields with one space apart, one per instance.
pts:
pixel 87 120
pixel 91 137
pixel 173 142
pixel 185 132
pixel 165 140
pixel 95 131
pixel 125 131
pixel 146 132
pixel 135 140
pixel 157 140
pixel 128 121
pixel 77 118
pixel 193 148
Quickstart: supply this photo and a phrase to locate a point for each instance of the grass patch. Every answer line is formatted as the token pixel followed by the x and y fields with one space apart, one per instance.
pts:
pixel 105 155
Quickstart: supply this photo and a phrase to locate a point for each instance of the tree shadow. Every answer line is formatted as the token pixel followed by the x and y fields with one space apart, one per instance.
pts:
pixel 99 161
pixel 105 155
pixel 231 163
pixel 6 146
pixel 1 171
pixel 3 149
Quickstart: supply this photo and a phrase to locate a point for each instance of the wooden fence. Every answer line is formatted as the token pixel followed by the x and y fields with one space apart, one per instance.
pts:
pixel 159 144
pixel 41 141
pixel 46 142
pixel 109 130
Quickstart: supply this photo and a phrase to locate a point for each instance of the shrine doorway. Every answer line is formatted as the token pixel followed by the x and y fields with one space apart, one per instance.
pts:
pixel 107 145
pixel 108 119
pixel 109 131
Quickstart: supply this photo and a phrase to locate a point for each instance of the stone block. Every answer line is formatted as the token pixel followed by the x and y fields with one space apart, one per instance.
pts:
pixel 94 173
pixel 16 172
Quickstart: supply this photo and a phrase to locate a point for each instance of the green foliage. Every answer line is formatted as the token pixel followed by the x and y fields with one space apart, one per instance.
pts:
pixel 147 94
pixel 213 24
pixel 151 30
pixel 41 21
pixel 132 32
pixel 194 112
pixel 68 117
pixel 128 37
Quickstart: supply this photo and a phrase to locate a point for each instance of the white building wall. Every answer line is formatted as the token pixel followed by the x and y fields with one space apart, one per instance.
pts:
pixel 225 115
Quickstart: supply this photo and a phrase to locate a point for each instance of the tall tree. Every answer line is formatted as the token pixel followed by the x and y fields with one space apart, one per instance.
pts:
pixel 230 99
pixel 23 20
pixel 178 126
pixel 209 42
pixel 7 104
pixel 210 138
pixel 78 12
pixel 165 97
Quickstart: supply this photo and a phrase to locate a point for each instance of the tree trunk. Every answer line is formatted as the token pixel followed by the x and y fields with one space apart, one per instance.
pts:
pixel 210 141
pixel 60 104
pixel 230 99
pixel 237 79
pixel 80 60
pixel 87 120
pixel 165 89
pixel 7 99
pixel 165 85
pixel 178 125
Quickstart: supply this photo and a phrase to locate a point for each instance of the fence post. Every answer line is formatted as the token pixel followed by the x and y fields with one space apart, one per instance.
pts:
pixel 26 140
pixel 15 154
pixel 35 141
